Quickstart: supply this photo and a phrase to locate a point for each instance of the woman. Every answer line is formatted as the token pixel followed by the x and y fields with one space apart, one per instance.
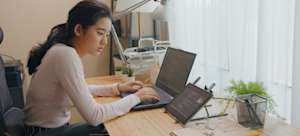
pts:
pixel 58 81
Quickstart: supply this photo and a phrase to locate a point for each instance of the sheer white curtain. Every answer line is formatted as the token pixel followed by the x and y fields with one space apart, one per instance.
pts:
pixel 248 40
pixel 275 50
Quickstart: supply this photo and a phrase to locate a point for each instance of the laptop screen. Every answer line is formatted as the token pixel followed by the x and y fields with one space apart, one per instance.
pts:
pixel 175 71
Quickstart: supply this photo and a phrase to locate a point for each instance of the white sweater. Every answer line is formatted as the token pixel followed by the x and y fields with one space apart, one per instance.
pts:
pixel 59 84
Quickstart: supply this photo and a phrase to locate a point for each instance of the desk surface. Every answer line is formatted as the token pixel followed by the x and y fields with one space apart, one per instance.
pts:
pixel 140 123
pixel 157 123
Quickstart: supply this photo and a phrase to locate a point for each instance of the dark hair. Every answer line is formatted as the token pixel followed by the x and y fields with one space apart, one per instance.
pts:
pixel 86 13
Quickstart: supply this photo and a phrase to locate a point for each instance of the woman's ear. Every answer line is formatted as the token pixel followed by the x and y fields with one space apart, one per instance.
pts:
pixel 78 30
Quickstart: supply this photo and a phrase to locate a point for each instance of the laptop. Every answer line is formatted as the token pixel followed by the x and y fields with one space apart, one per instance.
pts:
pixel 188 103
pixel 172 77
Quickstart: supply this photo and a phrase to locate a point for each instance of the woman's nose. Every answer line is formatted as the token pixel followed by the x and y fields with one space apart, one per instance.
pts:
pixel 104 40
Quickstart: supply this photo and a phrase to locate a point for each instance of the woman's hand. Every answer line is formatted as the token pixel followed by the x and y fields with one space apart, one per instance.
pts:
pixel 130 86
pixel 147 94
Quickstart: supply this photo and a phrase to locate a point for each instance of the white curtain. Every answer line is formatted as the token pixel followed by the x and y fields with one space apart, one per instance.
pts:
pixel 248 40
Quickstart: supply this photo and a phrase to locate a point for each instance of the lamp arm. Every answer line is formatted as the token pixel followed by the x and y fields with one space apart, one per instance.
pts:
pixel 117 16
pixel 127 11
pixel 119 45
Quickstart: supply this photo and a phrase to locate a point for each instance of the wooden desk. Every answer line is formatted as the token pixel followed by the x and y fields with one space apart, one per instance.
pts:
pixel 140 123
pixel 156 123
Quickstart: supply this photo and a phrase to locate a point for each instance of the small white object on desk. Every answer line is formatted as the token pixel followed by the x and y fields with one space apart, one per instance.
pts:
pixel 186 132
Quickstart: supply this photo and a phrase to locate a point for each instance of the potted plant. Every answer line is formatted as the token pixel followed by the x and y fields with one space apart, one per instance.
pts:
pixel 241 89
pixel 127 71
pixel 118 70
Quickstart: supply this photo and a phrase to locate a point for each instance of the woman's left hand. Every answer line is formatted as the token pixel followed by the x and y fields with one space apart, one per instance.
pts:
pixel 130 86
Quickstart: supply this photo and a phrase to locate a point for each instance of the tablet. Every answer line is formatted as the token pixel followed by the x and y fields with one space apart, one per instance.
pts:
pixel 188 103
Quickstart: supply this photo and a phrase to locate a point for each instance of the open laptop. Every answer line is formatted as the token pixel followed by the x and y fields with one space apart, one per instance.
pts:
pixel 171 79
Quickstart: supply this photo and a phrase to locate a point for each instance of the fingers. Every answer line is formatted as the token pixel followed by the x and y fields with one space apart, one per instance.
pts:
pixel 156 97
pixel 136 87
pixel 152 94
pixel 147 93
pixel 138 83
pixel 150 97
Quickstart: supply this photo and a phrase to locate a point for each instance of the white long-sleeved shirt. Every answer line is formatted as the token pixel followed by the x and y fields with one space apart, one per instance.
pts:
pixel 59 84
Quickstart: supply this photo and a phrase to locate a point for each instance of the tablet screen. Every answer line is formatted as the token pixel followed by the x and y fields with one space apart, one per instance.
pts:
pixel 188 103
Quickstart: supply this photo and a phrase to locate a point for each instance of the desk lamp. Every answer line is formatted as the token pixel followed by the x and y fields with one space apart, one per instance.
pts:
pixel 134 6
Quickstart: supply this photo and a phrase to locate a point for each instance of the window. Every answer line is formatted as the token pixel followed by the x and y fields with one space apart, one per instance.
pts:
pixel 248 40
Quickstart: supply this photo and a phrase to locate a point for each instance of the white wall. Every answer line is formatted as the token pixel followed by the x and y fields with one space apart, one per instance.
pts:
pixel 28 22
pixel 296 70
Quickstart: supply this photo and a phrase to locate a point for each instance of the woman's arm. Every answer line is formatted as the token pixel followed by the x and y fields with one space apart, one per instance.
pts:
pixel 104 90
pixel 116 89
pixel 69 73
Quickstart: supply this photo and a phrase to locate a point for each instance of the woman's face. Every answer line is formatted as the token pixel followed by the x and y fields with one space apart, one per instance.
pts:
pixel 93 39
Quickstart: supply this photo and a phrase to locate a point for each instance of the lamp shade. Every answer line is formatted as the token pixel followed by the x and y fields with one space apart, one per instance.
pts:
pixel 159 13
pixel 124 4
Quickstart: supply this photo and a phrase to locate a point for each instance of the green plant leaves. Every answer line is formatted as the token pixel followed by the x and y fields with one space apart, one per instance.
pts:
pixel 240 87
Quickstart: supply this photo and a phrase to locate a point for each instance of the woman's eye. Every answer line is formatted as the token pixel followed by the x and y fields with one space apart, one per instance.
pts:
pixel 100 33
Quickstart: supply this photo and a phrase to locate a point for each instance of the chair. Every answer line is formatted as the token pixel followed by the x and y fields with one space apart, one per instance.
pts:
pixel 11 118
pixel 1 35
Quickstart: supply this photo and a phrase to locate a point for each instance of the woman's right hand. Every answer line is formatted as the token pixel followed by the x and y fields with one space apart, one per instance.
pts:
pixel 147 94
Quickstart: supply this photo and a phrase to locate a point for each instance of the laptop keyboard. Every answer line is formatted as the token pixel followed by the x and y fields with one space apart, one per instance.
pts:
pixel 162 94
pixel 147 102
